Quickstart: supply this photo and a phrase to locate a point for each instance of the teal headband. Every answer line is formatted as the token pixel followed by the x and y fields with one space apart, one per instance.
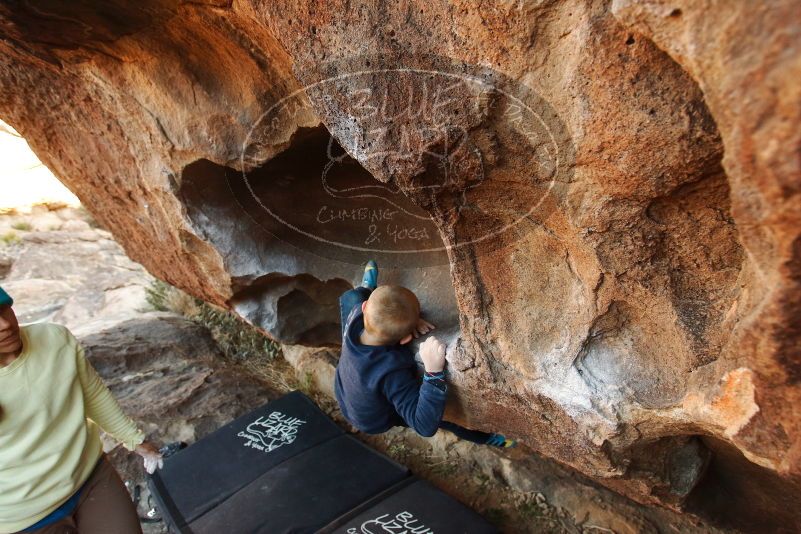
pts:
pixel 5 298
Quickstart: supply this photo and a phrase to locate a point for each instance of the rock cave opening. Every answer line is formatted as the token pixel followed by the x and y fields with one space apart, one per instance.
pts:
pixel 295 232
pixel 737 493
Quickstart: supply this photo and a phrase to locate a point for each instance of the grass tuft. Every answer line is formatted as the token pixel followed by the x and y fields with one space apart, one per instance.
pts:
pixel 399 451
pixel 9 238
pixel 239 341
pixel 22 226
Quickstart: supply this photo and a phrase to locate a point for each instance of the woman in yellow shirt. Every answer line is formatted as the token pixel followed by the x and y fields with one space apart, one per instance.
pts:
pixel 53 474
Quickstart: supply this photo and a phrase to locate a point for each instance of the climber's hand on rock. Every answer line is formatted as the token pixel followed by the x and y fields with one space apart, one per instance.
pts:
pixel 432 352
pixel 151 455
pixel 422 328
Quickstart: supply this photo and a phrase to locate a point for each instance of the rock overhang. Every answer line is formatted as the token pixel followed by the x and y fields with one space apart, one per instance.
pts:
pixel 632 307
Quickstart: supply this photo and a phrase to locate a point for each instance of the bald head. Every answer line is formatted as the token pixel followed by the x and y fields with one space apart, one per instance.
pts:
pixel 391 313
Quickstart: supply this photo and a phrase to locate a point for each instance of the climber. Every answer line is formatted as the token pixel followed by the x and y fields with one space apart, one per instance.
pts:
pixel 54 477
pixel 376 385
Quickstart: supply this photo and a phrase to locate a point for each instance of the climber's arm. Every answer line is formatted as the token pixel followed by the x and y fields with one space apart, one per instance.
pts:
pixel 420 405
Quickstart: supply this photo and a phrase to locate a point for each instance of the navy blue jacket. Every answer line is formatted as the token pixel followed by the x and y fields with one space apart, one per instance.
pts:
pixel 377 386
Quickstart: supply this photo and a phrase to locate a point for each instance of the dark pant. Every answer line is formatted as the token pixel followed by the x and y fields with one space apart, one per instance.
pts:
pixel 348 300
pixel 473 436
pixel 105 507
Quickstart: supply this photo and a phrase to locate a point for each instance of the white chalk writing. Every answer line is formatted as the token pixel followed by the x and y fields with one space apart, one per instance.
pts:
pixel 328 214
pixel 268 433
pixel 401 523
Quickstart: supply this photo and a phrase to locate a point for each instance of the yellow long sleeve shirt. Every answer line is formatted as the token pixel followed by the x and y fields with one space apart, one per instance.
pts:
pixel 51 404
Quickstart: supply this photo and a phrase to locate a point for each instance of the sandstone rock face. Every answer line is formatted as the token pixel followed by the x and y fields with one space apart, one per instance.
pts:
pixel 178 391
pixel 598 203
pixel 64 270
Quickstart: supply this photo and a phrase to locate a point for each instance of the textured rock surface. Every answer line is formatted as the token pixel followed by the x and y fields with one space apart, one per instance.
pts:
pixel 64 270
pixel 186 385
pixel 639 322
pixel 176 391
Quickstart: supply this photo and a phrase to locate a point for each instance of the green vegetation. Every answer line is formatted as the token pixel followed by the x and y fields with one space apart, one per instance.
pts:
pixel 400 451
pixel 238 340
pixel 158 295
pixel 531 510
pixel 444 468
pixel 9 238
pixel 306 385
pixel 22 226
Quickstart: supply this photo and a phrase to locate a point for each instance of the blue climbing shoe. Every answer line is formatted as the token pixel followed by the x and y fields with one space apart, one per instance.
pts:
pixel 500 441
pixel 370 278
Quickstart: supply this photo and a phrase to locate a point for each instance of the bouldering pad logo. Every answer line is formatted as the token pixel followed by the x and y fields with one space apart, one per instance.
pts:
pixel 271 432
pixel 400 164
pixel 403 522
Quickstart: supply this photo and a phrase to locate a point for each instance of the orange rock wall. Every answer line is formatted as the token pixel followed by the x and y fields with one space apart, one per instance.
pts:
pixel 638 321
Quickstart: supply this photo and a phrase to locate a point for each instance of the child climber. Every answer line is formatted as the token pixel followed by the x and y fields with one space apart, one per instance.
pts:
pixel 376 381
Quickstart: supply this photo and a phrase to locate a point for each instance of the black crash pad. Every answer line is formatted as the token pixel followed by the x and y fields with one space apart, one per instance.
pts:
pixel 305 492
pixel 417 507
pixel 199 478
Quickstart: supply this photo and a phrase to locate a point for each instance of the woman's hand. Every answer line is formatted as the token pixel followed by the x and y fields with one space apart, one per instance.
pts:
pixel 423 327
pixel 151 455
